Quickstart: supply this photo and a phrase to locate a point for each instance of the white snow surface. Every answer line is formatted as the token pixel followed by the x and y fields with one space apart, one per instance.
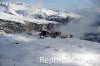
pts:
pixel 30 49
pixel 23 20
pixel 22 12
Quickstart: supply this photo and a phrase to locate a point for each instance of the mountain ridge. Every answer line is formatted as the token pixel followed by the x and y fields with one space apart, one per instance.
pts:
pixel 23 11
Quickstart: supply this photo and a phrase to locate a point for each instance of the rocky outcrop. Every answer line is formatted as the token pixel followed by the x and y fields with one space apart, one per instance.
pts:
pixel 12 26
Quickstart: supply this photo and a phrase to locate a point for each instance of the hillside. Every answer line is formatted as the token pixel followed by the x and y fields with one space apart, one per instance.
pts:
pixel 24 50
pixel 38 36
pixel 21 12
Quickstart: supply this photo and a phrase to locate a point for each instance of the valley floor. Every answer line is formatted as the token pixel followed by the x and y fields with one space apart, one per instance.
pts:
pixel 25 50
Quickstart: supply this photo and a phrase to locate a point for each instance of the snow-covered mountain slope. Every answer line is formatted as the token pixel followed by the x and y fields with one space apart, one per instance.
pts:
pixel 33 10
pixel 22 12
pixel 23 20
pixel 22 50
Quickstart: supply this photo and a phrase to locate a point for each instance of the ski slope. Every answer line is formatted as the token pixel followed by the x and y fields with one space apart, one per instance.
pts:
pixel 30 49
